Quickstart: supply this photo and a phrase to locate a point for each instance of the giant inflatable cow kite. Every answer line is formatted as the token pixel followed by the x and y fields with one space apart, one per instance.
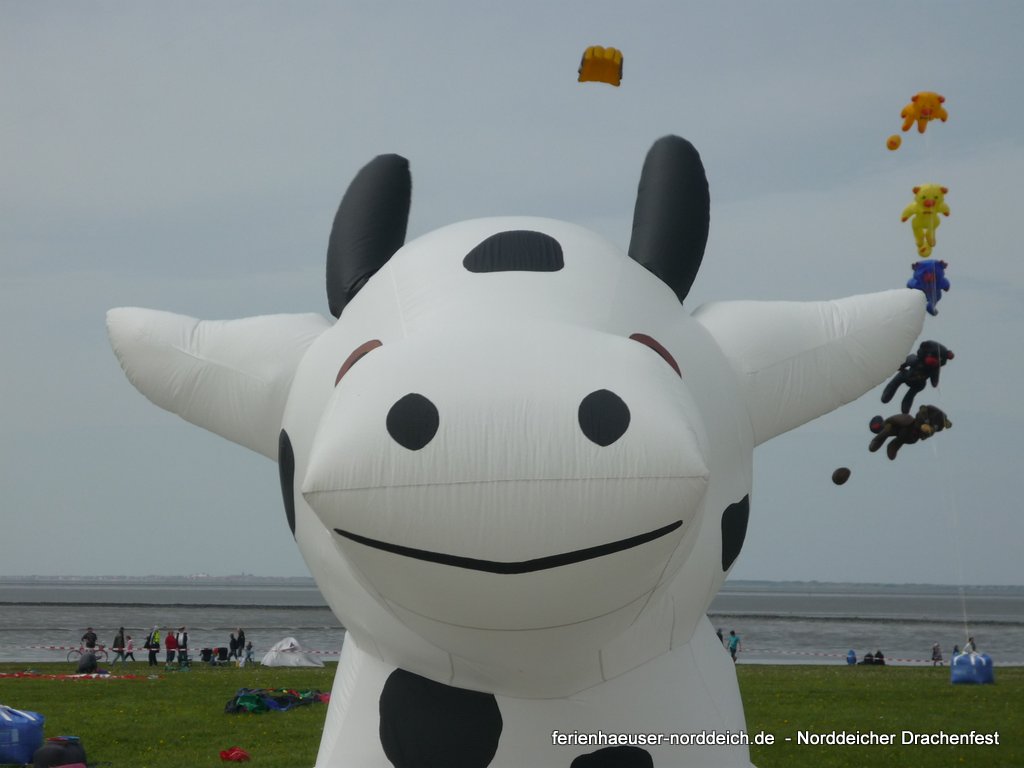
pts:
pixel 518 469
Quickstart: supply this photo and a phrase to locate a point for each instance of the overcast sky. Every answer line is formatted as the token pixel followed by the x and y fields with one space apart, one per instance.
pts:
pixel 189 156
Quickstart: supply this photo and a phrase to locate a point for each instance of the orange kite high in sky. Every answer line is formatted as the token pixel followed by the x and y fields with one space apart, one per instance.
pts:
pixel 601 65
pixel 924 107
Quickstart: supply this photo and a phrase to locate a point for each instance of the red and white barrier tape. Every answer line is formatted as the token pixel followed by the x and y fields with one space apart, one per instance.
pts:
pixel 108 649
pixel 832 655
pixel 338 653
pixel 844 656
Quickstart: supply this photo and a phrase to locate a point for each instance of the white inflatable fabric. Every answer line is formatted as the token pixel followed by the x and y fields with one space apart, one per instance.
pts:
pixel 289 653
pixel 519 470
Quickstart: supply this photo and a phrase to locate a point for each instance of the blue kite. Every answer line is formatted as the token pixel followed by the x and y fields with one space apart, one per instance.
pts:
pixel 930 277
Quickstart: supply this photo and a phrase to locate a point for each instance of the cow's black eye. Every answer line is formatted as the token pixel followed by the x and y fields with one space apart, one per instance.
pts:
pixel 603 416
pixel 413 421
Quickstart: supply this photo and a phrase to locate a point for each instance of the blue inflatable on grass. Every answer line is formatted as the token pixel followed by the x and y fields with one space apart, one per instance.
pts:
pixel 21 734
pixel 971 668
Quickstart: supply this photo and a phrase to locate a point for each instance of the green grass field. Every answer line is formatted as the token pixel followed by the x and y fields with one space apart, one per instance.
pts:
pixel 782 700
pixel 178 720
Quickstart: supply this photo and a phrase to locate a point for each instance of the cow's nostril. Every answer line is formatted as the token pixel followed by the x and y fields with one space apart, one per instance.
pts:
pixel 413 421
pixel 604 417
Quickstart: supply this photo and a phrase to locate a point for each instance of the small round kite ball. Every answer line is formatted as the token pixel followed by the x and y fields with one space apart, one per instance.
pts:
pixel 876 424
pixel 893 142
pixel 840 476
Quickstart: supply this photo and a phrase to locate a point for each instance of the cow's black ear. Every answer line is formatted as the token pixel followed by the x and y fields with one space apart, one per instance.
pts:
pixel 671 218
pixel 368 228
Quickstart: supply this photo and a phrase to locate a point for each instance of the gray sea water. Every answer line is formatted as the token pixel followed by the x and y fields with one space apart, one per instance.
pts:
pixel 779 622
pixel 812 622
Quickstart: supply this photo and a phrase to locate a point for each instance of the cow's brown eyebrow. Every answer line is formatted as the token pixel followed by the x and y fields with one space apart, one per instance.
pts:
pixel 647 341
pixel 356 355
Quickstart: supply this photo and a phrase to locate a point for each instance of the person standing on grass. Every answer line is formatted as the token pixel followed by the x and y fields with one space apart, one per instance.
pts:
pixel 936 655
pixel 89 638
pixel 734 644
pixel 129 648
pixel 171 646
pixel 241 642
pixel 183 646
pixel 153 646
pixel 118 646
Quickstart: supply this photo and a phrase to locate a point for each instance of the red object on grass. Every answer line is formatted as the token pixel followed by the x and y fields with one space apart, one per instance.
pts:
pixel 234 754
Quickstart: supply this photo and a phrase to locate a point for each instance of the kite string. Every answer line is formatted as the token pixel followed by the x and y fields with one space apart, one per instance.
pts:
pixel 954 516
pixel 958 552
pixel 954 509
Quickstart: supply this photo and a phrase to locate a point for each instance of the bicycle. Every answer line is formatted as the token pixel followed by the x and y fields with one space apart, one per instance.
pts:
pixel 76 653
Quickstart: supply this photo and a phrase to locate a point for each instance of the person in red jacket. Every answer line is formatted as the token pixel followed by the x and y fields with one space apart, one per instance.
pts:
pixel 170 645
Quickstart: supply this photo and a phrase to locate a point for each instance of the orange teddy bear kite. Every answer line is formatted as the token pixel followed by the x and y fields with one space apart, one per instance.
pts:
pixel 923 107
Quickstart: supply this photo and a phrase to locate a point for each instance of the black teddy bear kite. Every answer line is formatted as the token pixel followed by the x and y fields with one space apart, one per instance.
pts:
pixel 916 371
pixel 905 429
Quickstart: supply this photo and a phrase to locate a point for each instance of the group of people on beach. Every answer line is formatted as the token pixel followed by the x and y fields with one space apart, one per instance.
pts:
pixel 175 644
pixel 969 647
pixel 878 658
pixel 733 644
pixel 873 658
pixel 238 648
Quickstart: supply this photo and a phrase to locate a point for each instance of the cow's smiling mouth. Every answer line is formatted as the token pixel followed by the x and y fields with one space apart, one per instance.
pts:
pixel 523 566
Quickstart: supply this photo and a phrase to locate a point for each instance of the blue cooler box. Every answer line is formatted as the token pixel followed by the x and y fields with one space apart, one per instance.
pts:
pixel 21 734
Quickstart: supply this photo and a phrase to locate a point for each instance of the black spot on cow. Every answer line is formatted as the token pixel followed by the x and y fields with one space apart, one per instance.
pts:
pixel 734 530
pixel 286 467
pixel 603 417
pixel 413 421
pixel 424 724
pixel 516 251
pixel 615 757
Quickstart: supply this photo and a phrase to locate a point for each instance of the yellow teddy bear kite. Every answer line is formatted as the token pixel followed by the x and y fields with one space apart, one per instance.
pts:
pixel 923 107
pixel 929 202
